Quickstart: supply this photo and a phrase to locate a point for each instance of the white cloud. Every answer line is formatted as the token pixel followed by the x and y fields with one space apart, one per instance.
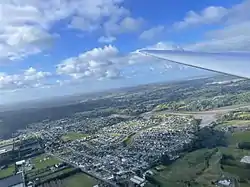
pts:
pixel 81 23
pixel 207 16
pixel 235 44
pixel 29 78
pixel 125 25
pixel 231 38
pixel 18 42
pixel 27 29
pixel 106 39
pixel 26 24
pixel 109 16
pixel 152 33
pixel 22 31
pixel 238 13
pixel 32 74
pixel 112 73
pixel 165 46
pixel 101 63
pixel 96 63
pixel 234 34
pixel 131 24
pixel 230 31
pixel 211 15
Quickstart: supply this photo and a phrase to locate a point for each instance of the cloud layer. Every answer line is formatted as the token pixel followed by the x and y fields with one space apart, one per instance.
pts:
pixel 100 63
pixel 26 25
pixel 26 79
pixel 152 33
pixel 234 34
pixel 28 28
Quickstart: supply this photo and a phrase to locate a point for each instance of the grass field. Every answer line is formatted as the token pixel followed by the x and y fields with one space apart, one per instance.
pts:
pixel 8 171
pixel 237 122
pixel 237 137
pixel 162 107
pixel 201 167
pixel 241 172
pixel 213 172
pixel 245 115
pixel 188 167
pixel 236 153
pixel 80 180
pixel 115 134
pixel 44 161
pixel 55 174
pixel 128 140
pixel 71 136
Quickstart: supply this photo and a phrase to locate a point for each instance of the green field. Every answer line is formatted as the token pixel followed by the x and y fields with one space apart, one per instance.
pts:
pixel 128 139
pixel 164 106
pixel 238 137
pixel 44 161
pixel 244 115
pixel 80 180
pixel 115 134
pixel 8 171
pixel 201 167
pixel 237 122
pixel 71 136
pixel 44 177
pixel 241 172
pixel 213 171
pixel 188 167
pixel 236 153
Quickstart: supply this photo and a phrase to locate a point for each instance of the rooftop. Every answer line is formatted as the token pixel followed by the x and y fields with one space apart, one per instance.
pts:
pixel 21 162
pixel 6 148
pixel 245 159
pixel 15 180
pixel 3 151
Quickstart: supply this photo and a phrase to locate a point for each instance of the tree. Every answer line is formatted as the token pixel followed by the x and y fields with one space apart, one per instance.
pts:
pixel 244 145
pixel 152 180
pixel 208 137
pixel 166 160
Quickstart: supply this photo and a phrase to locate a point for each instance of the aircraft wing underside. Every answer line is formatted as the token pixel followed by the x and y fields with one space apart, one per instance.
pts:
pixel 236 64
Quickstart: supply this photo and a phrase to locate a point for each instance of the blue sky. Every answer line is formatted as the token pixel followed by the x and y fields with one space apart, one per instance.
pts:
pixel 58 47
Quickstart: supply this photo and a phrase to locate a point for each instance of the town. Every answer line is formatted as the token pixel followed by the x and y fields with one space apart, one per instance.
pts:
pixel 123 143
pixel 118 152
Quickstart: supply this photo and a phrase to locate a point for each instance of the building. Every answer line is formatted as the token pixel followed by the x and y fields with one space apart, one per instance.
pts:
pixel 137 181
pixel 19 165
pixel 3 153
pixel 13 181
pixel 225 182
pixel 245 159
pixel 6 151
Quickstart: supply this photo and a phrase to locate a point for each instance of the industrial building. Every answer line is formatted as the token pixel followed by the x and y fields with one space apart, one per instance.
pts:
pixel 13 181
pixel 137 181
pixel 6 151
pixel 245 159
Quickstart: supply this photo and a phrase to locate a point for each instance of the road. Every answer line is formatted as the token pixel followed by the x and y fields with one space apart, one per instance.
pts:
pixel 207 117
